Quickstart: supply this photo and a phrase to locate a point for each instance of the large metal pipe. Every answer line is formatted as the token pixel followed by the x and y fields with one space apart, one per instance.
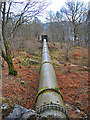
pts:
pixel 49 100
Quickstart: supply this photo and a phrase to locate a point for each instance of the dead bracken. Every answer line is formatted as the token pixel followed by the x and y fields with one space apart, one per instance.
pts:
pixel 22 89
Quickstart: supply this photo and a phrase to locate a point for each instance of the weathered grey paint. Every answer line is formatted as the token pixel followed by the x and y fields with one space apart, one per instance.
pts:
pixel 49 102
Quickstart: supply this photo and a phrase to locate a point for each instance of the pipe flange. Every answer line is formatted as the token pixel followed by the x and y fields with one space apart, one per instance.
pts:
pixel 53 106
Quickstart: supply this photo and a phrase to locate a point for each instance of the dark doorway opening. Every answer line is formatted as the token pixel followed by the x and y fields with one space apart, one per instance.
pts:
pixel 44 37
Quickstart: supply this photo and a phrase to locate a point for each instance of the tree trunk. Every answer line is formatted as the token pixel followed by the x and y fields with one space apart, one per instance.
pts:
pixel 7 57
pixel 9 61
pixel 86 40
pixel 78 41
pixel 75 35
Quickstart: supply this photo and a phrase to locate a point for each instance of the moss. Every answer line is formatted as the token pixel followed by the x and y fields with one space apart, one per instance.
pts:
pixel 56 88
pixel 22 82
pixel 79 70
pixel 5 100
pixel 55 57
pixel 42 76
pixel 66 58
pixel 46 90
pixel 10 101
pixel 12 70
pixel 55 64
pixel 17 75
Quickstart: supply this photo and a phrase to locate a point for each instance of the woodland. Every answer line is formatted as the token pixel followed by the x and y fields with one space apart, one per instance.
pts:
pixel 21 53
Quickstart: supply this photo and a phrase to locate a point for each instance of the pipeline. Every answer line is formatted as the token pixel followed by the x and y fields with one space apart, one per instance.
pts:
pixel 49 99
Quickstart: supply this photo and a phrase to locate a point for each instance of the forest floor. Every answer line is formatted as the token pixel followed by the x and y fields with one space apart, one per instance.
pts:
pixel 71 73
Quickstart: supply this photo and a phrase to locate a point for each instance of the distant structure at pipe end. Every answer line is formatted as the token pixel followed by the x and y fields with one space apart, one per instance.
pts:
pixel 44 37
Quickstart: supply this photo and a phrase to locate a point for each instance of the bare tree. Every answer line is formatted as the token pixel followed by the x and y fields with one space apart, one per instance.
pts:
pixel 56 27
pixel 51 28
pixel 74 11
pixel 36 28
pixel 12 18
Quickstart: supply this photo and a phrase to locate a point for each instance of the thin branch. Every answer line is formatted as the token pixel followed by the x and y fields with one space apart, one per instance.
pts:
pixel 79 16
pixel 8 11
pixel 3 21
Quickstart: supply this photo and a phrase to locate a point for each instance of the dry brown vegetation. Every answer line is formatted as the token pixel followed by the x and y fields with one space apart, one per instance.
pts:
pixel 72 77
